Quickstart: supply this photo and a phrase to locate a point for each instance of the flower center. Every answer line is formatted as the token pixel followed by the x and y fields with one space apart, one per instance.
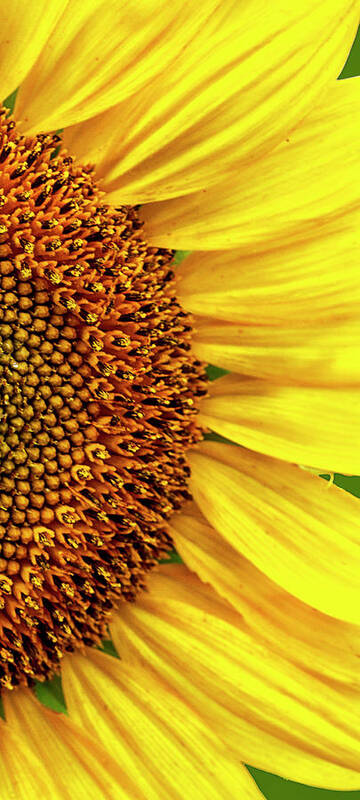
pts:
pixel 98 397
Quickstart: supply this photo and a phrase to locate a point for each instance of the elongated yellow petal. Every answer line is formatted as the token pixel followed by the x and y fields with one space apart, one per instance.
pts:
pixel 314 353
pixel 314 427
pixel 23 776
pixel 162 744
pixel 306 188
pixel 101 53
pixel 268 712
pixel 24 29
pixel 302 533
pixel 66 762
pixel 290 314
pixel 314 641
pixel 300 282
pixel 225 87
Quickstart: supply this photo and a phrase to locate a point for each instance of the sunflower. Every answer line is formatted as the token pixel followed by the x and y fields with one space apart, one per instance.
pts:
pixel 141 128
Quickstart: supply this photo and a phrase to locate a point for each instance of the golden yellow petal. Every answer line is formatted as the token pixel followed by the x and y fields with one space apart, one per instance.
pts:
pixel 66 762
pixel 163 746
pixel 315 427
pixel 304 189
pixel 311 354
pixel 101 53
pixel 225 87
pixel 267 711
pixel 24 29
pixel 23 776
pixel 295 528
pixel 291 314
pixel 314 641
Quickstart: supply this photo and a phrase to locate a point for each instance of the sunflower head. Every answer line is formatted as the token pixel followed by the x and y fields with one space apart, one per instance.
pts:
pixel 98 393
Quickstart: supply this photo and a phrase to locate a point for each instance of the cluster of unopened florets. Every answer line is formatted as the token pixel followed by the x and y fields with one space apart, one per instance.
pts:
pixel 98 400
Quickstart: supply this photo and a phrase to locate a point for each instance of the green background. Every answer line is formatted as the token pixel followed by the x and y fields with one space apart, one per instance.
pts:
pixel 273 787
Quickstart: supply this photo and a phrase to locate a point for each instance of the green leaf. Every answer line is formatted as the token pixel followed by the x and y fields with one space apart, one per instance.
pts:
pixel 275 788
pixel 172 558
pixel 216 437
pixel 215 372
pixel 10 100
pixel 108 647
pixel 180 255
pixel 50 694
pixel 352 66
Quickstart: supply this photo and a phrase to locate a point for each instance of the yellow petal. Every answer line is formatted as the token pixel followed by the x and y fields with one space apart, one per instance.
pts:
pixel 228 84
pixel 301 532
pixel 306 188
pixel 66 762
pixel 24 29
pixel 268 712
pixel 101 52
pixel 23 776
pixel 290 314
pixel 314 641
pixel 314 353
pixel 163 746
pixel 315 427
